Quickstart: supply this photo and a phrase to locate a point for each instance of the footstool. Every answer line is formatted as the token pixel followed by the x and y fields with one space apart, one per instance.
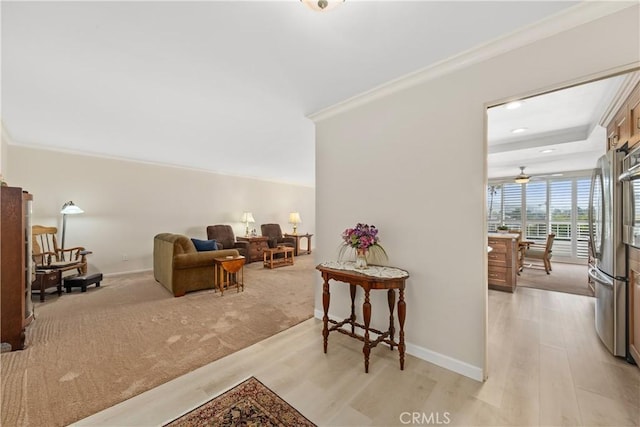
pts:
pixel 82 281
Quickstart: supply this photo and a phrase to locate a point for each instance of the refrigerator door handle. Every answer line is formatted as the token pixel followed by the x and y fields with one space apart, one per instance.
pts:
pixel 591 219
pixel 599 277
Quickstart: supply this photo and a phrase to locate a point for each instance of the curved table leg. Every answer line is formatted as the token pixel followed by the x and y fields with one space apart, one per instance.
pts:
pixel 325 304
pixel 391 298
pixel 402 313
pixel 352 289
pixel 366 312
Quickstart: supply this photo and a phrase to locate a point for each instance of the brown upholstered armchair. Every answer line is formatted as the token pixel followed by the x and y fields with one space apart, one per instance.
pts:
pixel 274 233
pixel 223 235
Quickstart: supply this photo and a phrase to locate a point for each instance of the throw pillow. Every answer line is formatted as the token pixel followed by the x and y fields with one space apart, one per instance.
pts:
pixel 205 245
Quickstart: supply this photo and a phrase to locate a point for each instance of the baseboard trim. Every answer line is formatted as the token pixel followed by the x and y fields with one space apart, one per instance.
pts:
pixel 444 361
pixel 124 273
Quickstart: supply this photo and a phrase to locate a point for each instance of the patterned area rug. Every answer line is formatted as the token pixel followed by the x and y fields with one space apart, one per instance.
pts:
pixel 250 403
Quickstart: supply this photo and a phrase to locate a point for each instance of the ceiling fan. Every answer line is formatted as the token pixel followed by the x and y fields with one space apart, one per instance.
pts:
pixel 522 177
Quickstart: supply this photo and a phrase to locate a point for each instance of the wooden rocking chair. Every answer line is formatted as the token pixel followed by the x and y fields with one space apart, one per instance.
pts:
pixel 48 256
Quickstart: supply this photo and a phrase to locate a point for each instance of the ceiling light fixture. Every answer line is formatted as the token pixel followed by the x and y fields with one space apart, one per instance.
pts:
pixel 519 130
pixel 548 150
pixel 513 105
pixel 321 5
pixel 522 178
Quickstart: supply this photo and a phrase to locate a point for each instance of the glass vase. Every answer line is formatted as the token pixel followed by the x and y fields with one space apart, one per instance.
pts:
pixel 361 259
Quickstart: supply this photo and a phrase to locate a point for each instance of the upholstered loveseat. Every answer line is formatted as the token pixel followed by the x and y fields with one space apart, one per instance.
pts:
pixel 180 268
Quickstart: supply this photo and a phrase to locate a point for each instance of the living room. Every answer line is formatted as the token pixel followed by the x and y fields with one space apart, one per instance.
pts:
pixel 415 146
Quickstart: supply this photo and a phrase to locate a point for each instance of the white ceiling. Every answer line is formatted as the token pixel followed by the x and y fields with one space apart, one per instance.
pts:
pixel 220 86
pixel 565 121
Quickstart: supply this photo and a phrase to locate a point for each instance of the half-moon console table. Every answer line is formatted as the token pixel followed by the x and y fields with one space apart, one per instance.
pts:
pixel 372 278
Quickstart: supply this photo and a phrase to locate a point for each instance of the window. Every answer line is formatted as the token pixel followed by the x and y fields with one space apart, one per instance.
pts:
pixel 583 187
pixel 512 205
pixel 558 206
pixel 536 209
pixel 494 206
pixel 560 216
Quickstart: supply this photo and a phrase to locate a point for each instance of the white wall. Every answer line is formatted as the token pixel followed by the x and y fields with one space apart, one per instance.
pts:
pixel 127 203
pixel 387 160
pixel 4 148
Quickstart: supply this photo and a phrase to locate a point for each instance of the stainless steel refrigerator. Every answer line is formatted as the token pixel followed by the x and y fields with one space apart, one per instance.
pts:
pixel 608 269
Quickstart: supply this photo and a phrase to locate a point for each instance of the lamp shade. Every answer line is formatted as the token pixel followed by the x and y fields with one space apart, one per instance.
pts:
pixel 294 218
pixel 247 217
pixel 70 208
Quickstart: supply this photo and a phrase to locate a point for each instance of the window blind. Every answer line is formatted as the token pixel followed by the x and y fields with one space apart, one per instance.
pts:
pixel 559 206
pixel 560 216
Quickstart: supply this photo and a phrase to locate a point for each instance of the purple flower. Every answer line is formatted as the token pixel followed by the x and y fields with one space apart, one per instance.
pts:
pixel 362 236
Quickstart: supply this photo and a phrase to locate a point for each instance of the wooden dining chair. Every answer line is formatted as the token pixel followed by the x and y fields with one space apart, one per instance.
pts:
pixel 541 252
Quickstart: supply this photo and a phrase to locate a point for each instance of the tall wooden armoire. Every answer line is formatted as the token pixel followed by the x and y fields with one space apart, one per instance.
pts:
pixel 16 267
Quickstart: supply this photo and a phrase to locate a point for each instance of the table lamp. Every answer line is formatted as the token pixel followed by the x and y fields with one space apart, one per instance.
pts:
pixel 247 217
pixel 67 209
pixel 294 218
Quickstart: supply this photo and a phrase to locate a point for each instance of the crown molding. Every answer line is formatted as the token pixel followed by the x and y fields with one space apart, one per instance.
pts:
pixel 76 152
pixel 562 21
pixel 620 98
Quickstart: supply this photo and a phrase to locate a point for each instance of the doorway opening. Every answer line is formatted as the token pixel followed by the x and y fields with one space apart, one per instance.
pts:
pixel 541 151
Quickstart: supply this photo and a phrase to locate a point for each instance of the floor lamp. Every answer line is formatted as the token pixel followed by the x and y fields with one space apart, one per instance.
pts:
pixel 67 209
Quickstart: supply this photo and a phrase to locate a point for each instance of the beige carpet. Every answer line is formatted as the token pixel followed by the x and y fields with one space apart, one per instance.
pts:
pixel 89 351
pixel 568 278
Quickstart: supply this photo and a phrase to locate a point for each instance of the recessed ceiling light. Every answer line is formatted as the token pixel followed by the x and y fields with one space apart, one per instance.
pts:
pixel 556 174
pixel 548 150
pixel 513 105
pixel 519 130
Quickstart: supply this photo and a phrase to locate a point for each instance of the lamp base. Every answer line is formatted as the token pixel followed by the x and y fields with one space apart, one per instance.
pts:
pixel 295 229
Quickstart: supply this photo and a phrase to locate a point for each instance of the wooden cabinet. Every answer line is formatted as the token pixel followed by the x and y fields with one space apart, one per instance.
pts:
pixel 634 304
pixel 625 125
pixel 16 268
pixel 618 129
pixel 503 260
pixel 634 116
pixel 257 245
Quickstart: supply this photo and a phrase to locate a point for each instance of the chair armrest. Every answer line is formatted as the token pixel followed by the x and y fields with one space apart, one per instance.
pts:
pixel 291 240
pixel 537 246
pixel 74 253
pixel 242 245
pixel 44 258
pixel 201 259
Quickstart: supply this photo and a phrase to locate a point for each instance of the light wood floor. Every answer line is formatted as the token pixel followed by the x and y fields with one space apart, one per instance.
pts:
pixel 547 367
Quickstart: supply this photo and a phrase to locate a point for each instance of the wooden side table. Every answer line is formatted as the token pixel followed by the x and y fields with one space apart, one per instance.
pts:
pixel 367 283
pixel 257 244
pixel 47 279
pixel 270 262
pixel 300 251
pixel 229 271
